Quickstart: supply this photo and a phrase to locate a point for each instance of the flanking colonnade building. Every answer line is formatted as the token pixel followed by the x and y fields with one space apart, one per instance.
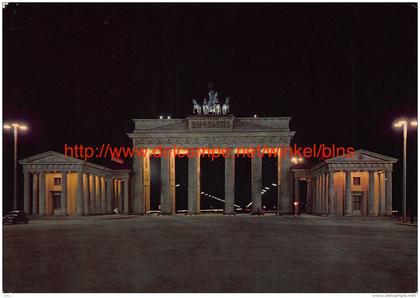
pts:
pixel 55 184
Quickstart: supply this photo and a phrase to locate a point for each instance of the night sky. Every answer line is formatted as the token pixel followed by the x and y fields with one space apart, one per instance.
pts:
pixel 78 74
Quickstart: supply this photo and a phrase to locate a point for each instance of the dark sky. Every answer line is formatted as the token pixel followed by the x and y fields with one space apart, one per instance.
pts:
pixel 78 74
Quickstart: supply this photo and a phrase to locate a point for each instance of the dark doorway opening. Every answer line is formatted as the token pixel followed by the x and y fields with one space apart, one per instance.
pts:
pixel 212 183
pixel 303 189
pixel 56 200
pixel 181 183
pixel 269 183
pixel 154 183
pixel 243 182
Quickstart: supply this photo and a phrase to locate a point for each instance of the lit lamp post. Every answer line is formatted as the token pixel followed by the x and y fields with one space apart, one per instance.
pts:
pixel 404 124
pixel 296 207
pixel 16 127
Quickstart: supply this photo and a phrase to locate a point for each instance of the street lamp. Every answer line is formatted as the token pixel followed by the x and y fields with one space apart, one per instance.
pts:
pixel 296 160
pixel 16 127
pixel 404 124
pixel 296 207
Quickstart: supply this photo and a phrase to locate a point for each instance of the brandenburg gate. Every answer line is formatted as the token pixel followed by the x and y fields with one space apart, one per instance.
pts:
pixel 211 132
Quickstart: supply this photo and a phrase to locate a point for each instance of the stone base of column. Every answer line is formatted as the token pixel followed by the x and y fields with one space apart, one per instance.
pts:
pixel 229 213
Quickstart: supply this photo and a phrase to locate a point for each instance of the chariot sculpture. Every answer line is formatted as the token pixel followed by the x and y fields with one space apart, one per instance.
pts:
pixel 211 106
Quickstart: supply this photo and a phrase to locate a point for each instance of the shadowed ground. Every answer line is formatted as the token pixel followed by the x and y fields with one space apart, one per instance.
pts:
pixel 210 253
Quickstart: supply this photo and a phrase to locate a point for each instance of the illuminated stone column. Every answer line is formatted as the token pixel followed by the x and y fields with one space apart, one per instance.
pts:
pixel 322 211
pixel 256 183
pixel 320 203
pixel 331 194
pixel 316 187
pixel 109 183
pixel 194 184
pixel 126 206
pixel 388 192
pixel 114 194
pixel 79 194
pixel 172 183
pixel 26 194
pixel 98 197
pixel 141 184
pixel 321 193
pixel 64 193
pixel 230 182
pixel 35 194
pixel 318 194
pixel 309 197
pixel 103 195
pixel 314 198
pixel 382 204
pixel 283 180
pixel 92 190
pixel 42 199
pixel 325 193
pixel 167 184
pixel 86 195
pixel 119 195
pixel 347 194
pixel 371 193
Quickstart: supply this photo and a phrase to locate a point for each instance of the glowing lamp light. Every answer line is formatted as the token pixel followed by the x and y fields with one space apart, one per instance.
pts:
pixel 15 125
pixel 255 115
pixel 273 184
pixel 169 117
pixel 160 117
pixel 295 203
pixel 399 123
pixel 296 160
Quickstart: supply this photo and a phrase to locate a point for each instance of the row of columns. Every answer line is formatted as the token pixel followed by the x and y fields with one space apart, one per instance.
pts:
pixel 141 185
pixel 94 194
pixel 321 194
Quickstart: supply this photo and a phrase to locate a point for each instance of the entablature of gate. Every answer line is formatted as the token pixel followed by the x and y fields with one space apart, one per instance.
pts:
pixel 212 131
pixel 213 141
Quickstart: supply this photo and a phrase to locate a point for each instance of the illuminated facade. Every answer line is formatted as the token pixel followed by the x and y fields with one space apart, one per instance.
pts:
pixel 360 185
pixel 55 184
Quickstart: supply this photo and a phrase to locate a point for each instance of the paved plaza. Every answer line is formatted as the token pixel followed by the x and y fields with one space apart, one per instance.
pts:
pixel 210 253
